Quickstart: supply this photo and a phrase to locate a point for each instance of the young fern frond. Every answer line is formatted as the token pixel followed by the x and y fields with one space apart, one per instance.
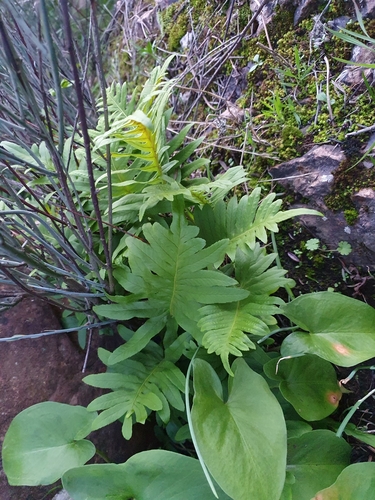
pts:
pixel 140 131
pixel 139 134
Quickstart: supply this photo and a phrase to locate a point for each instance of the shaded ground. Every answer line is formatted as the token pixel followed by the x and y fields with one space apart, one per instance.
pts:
pixel 50 369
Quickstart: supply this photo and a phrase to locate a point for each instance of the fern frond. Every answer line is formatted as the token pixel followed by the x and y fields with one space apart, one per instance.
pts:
pixel 223 183
pixel 118 103
pixel 254 272
pixel 172 265
pixel 139 385
pixel 244 221
pixel 225 326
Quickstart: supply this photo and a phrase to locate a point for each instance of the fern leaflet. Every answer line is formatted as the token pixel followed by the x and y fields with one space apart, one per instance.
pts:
pixel 145 383
pixel 244 221
pixel 172 268
pixel 225 326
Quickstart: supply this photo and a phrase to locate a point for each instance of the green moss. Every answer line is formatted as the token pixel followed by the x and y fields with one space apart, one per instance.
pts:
pixel 177 31
pixel 285 117
pixel 174 25
pixel 339 8
pixel 351 216
pixel 281 23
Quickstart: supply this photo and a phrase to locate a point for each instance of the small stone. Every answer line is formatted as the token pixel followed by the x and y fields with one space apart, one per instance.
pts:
pixel 353 75
pixel 62 495
pixel 187 40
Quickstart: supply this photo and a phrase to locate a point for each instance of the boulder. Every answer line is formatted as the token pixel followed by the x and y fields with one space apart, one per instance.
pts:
pixel 311 177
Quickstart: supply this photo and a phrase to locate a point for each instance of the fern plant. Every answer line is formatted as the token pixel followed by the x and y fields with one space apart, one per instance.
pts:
pixel 178 285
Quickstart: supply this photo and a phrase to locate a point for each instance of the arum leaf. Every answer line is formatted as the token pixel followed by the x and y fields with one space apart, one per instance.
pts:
pixel 242 440
pixel 46 440
pixel 337 328
pixel 356 482
pixel 296 428
pixel 315 459
pixel 150 475
pixel 309 383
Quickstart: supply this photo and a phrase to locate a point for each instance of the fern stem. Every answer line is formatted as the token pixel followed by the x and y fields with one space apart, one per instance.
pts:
pixel 103 456
pixel 286 329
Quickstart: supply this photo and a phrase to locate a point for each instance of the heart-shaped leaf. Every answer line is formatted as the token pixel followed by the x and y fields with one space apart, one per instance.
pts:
pixel 315 459
pixel 242 440
pixel 46 440
pixel 309 383
pixel 356 482
pixel 338 328
pixel 150 475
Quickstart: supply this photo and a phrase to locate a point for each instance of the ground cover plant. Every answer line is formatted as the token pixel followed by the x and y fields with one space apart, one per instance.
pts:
pixel 117 216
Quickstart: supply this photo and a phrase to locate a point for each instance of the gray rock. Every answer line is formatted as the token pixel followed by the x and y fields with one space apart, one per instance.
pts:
pixel 367 8
pixel 305 9
pixel 338 23
pixel 269 11
pixel 311 176
pixel 351 74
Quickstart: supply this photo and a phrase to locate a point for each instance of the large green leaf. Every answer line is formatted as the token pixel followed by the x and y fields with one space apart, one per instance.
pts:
pixel 150 475
pixel 242 440
pixel 356 482
pixel 309 383
pixel 315 459
pixel 243 221
pixel 46 440
pixel 338 328
pixel 172 266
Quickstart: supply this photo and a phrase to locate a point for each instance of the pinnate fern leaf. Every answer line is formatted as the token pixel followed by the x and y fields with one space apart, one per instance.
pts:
pixel 172 266
pixel 225 326
pixel 244 221
pixel 142 384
